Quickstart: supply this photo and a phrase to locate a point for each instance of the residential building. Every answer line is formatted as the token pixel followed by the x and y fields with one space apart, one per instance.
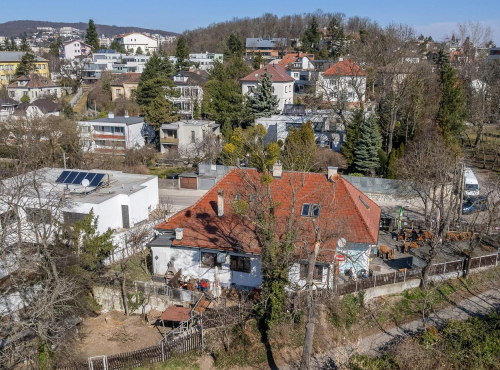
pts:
pixel 133 40
pixel 119 200
pixel 115 135
pixel 269 47
pixel 205 61
pixel 39 108
pixel 327 131
pixel 34 86
pixel 300 67
pixel 7 107
pixel 185 134
pixel 282 83
pixel 345 80
pixel 190 85
pixel 110 60
pixel 9 61
pixel 494 53
pixel 210 240
pixel 74 49
pixel 123 85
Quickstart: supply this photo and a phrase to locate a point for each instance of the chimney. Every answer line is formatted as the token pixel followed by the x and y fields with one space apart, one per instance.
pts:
pixel 126 113
pixel 332 171
pixel 179 233
pixel 277 170
pixel 220 203
pixel 111 115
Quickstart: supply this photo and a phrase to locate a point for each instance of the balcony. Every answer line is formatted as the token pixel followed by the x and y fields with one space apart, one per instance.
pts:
pixel 169 140
pixel 109 136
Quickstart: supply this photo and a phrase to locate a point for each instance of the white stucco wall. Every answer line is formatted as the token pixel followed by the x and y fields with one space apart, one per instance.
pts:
pixel 189 259
pixel 297 283
pixel 283 90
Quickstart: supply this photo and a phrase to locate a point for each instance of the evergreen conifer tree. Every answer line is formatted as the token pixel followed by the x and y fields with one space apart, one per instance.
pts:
pixel 91 37
pixel 311 38
pixel 13 45
pixel 182 55
pixel 453 105
pixel 26 65
pixel 366 149
pixel 234 47
pixel 159 111
pixel 352 137
pixel 24 45
pixel 54 47
pixel 138 51
pixel 263 103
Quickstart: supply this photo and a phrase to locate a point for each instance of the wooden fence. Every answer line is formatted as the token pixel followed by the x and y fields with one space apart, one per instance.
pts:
pixel 145 356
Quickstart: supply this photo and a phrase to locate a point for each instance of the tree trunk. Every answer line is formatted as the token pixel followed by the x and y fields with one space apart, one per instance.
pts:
pixel 305 362
pixel 479 134
pixel 124 294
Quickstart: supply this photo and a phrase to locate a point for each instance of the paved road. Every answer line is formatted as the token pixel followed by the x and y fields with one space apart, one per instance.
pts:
pixel 481 304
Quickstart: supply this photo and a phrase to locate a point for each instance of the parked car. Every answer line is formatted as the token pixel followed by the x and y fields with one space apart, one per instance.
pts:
pixel 474 204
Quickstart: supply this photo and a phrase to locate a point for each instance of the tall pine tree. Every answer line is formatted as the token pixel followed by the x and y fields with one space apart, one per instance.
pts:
pixel 337 38
pixel 352 136
pixel 453 105
pixel 234 47
pixel 24 45
pixel 366 149
pixel 26 65
pixel 263 103
pixel 91 37
pixel 182 55
pixel 312 36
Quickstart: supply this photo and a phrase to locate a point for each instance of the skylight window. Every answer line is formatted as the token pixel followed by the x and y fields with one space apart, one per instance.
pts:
pixel 364 203
pixel 310 210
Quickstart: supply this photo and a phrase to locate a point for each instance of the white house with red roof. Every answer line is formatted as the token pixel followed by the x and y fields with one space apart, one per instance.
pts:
pixel 282 83
pixel 344 80
pixel 134 40
pixel 215 240
pixel 74 49
pixel 300 67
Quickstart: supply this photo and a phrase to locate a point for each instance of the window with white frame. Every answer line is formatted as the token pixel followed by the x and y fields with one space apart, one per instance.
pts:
pixel 209 259
pixel 310 210
pixel 317 273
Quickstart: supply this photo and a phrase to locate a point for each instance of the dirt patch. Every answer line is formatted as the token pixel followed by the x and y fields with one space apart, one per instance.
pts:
pixel 113 333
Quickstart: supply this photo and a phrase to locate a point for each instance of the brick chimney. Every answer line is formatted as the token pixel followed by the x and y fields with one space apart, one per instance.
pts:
pixel 220 203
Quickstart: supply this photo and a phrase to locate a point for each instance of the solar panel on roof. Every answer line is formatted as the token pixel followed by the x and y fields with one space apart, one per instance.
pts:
pixel 62 176
pixel 97 179
pixel 90 176
pixel 79 178
pixel 71 177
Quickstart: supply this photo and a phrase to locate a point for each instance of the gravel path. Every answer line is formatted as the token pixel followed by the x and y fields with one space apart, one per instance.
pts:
pixel 477 305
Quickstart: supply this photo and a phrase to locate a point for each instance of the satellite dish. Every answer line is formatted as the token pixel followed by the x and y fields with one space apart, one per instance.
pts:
pixel 85 182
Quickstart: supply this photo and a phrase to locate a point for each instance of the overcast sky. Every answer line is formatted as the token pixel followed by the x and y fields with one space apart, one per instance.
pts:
pixel 436 18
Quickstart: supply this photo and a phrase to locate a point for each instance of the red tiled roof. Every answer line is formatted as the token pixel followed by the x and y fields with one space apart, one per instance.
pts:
pixel 345 68
pixel 277 72
pixel 345 212
pixel 292 57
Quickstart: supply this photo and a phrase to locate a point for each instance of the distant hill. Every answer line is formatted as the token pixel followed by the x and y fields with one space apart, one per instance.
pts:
pixel 17 28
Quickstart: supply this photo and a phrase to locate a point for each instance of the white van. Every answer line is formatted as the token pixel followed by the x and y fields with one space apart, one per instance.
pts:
pixel 471 184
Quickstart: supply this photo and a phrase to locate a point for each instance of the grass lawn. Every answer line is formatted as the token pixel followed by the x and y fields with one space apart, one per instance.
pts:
pixel 136 268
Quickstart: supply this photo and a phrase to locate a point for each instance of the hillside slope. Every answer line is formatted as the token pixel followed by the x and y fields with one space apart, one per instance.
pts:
pixel 17 28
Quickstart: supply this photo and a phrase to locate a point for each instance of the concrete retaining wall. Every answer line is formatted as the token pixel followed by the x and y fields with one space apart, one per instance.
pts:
pixel 390 289
pixel 111 299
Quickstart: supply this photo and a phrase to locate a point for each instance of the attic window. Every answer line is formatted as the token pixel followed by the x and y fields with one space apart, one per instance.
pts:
pixel 310 210
pixel 364 203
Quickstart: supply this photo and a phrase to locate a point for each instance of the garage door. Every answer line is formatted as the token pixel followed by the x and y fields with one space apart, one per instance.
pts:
pixel 189 183
pixel 206 184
